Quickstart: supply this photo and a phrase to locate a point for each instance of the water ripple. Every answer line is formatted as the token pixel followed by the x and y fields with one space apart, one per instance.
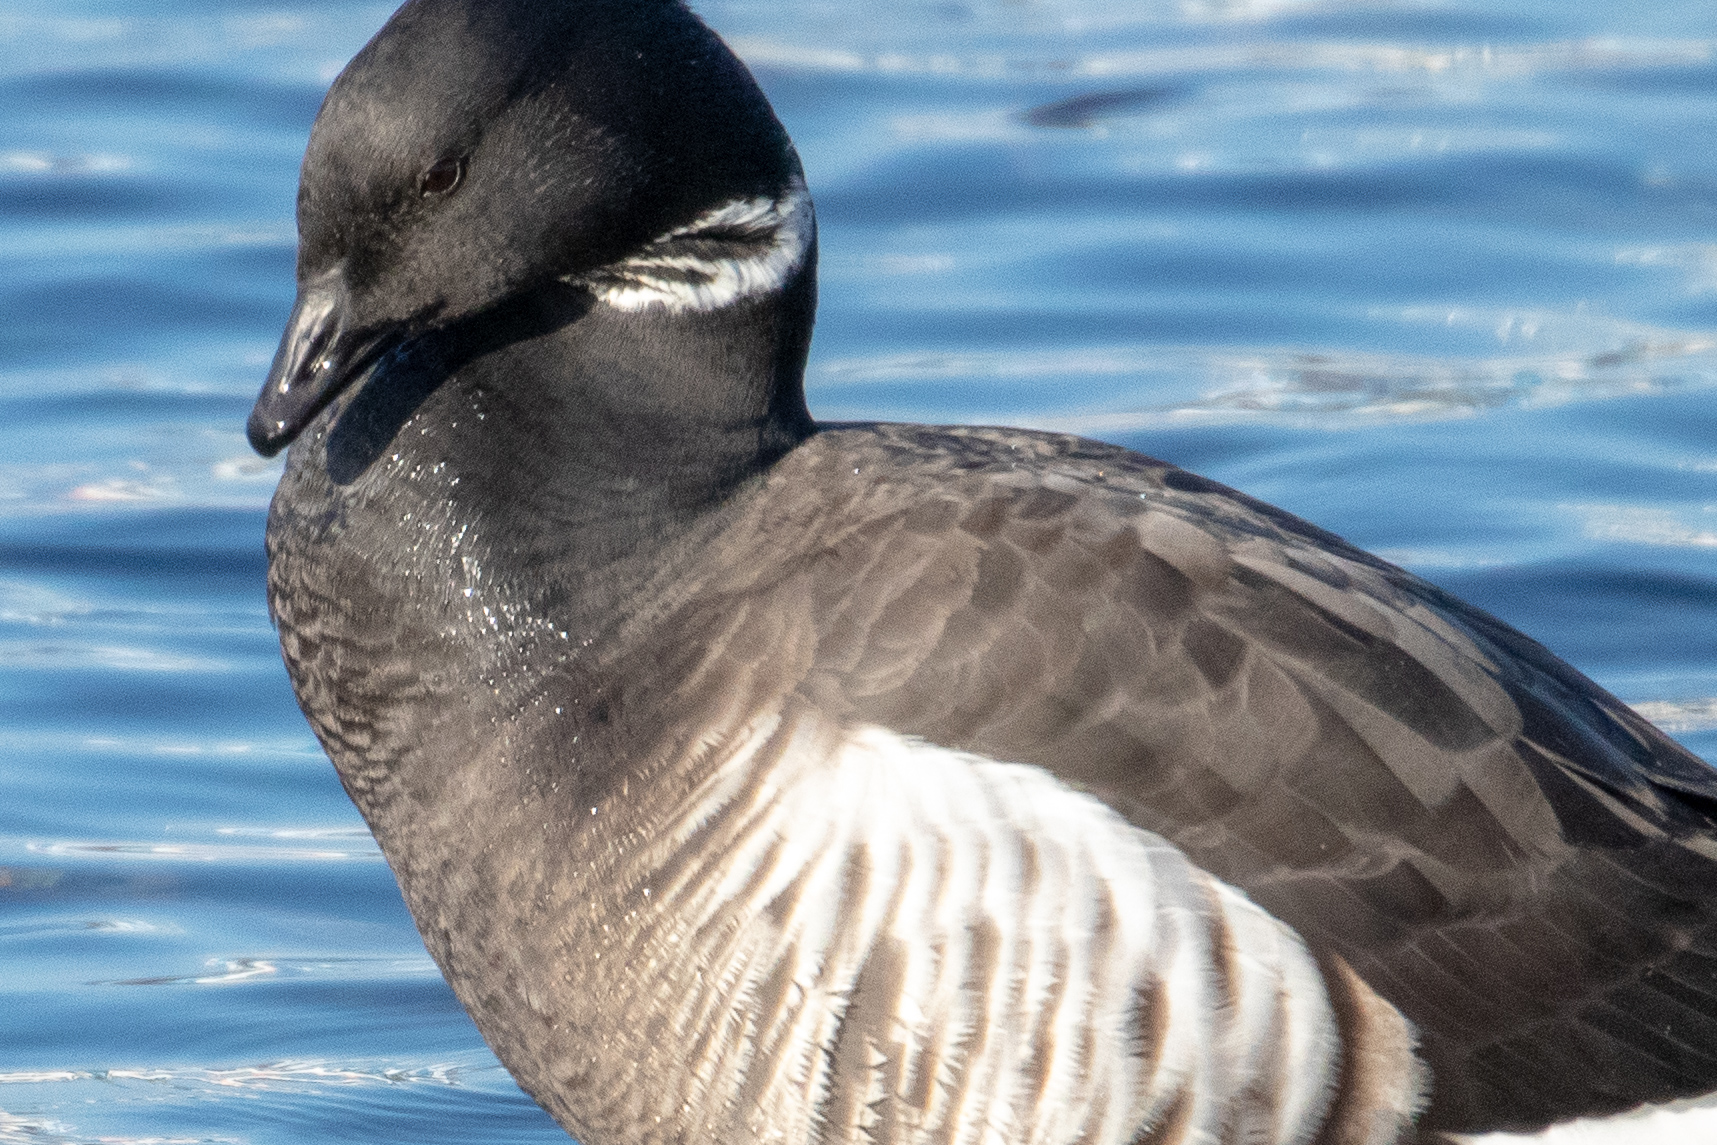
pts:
pixel 1278 383
pixel 201 852
pixel 122 658
pixel 1679 717
pixel 277 1074
pixel 1203 61
pixel 226 971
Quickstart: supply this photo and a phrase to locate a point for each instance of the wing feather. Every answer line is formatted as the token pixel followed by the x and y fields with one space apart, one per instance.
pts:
pixel 1518 862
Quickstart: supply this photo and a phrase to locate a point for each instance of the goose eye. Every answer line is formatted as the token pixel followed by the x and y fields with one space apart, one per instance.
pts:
pixel 441 177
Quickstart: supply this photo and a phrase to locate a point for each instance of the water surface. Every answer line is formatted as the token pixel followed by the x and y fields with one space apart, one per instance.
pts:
pixel 1440 277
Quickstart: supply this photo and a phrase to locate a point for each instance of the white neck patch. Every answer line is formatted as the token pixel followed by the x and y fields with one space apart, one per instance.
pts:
pixel 740 250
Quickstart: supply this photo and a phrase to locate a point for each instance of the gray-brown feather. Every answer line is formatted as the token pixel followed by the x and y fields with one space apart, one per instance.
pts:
pixel 1507 854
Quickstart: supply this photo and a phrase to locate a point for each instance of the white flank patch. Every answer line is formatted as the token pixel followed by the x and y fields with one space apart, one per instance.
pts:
pixel 1692 1122
pixel 739 250
pixel 979 953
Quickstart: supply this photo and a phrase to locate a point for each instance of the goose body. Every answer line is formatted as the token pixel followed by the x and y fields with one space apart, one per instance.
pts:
pixel 755 779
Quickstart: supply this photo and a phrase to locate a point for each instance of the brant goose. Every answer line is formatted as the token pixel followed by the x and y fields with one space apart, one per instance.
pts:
pixel 758 780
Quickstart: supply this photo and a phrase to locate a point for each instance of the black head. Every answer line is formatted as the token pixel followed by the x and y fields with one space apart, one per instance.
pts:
pixel 476 149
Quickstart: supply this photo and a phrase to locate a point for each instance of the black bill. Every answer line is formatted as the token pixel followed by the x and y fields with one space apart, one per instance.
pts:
pixel 319 356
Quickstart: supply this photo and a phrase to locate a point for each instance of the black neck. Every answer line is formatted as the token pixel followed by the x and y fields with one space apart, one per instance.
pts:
pixel 583 438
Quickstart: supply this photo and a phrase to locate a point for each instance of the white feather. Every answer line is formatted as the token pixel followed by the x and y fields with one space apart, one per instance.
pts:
pixel 1021 923
pixel 676 272
pixel 1678 1123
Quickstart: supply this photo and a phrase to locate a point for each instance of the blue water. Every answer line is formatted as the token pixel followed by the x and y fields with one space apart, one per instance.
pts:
pixel 1440 277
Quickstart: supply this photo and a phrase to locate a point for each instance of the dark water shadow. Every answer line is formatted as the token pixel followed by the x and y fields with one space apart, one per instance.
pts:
pixel 1087 109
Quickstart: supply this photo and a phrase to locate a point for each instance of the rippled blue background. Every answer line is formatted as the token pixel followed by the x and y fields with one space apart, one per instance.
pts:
pixel 1440 277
